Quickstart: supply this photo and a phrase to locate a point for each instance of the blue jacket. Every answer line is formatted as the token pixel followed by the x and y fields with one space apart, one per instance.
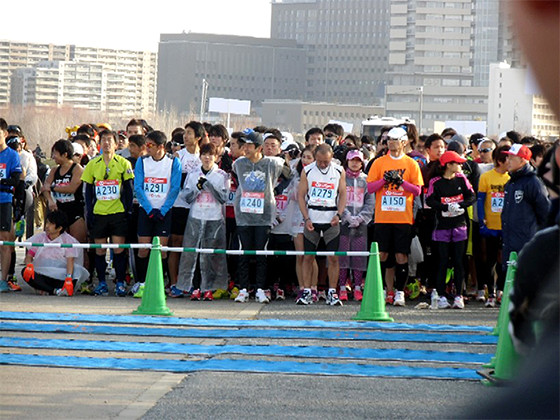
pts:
pixel 526 207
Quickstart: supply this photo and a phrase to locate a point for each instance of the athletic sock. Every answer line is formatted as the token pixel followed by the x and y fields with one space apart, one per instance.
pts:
pixel 342 277
pixel 119 262
pixel 100 267
pixel 142 268
pixel 401 275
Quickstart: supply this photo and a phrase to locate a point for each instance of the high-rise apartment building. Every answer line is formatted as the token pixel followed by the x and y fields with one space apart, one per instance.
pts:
pixel 130 76
pixel 347 43
pixel 235 67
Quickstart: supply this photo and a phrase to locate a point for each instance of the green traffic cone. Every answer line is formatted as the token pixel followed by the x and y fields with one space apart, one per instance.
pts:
pixel 373 304
pixel 153 299
pixel 503 316
pixel 507 359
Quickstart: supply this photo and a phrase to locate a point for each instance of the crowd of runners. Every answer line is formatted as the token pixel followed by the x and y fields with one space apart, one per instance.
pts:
pixel 446 211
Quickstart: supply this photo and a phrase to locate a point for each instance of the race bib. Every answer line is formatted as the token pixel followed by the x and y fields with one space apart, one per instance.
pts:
pixel 497 202
pixel 107 190
pixel 3 171
pixel 231 194
pixel 205 199
pixel 62 197
pixel 322 194
pixel 393 201
pixel 281 203
pixel 156 188
pixel 354 196
pixel 252 202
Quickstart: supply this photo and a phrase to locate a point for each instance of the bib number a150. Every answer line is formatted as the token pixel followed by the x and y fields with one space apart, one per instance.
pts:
pixel 393 202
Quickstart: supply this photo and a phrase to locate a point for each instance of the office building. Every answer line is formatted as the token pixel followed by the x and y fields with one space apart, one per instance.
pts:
pixel 347 43
pixel 514 103
pixel 234 67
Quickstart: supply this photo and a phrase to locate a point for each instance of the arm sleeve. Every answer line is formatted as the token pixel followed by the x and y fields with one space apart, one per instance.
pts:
pixel 127 195
pixel 139 186
pixel 411 188
pixel 175 187
pixel 480 206
pixel 375 186
pixel 90 198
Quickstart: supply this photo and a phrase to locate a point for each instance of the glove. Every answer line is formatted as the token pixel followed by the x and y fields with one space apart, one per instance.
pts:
pixel 155 214
pixel 453 207
pixel 354 222
pixel 387 176
pixel 201 182
pixel 397 178
pixel 69 285
pixel 29 272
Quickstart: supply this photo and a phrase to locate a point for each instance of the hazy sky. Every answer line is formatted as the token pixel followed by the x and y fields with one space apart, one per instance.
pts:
pixel 129 24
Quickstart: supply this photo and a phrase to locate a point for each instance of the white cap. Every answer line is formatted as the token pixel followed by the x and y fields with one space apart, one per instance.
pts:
pixel 397 133
pixel 287 137
pixel 78 149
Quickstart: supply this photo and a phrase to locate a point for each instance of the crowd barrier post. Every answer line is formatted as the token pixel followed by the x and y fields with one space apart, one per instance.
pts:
pixel 373 303
pixel 153 298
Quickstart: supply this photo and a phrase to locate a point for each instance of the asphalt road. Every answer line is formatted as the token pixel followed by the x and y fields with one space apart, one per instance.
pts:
pixel 62 392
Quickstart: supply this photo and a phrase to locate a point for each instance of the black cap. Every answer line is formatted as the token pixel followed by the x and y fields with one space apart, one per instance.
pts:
pixel 253 138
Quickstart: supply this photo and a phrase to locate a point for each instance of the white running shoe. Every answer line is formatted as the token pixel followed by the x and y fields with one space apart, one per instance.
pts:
pixel 481 296
pixel 332 299
pixel 443 303
pixel 491 302
pixel 260 296
pixel 458 302
pixel 243 296
pixel 399 299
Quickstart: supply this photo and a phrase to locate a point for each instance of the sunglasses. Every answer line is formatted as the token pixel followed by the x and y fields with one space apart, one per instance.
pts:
pixel 485 150
pixel 149 145
pixel 14 128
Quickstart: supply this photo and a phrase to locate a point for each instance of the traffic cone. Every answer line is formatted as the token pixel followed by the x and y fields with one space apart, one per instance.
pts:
pixel 506 359
pixel 373 303
pixel 503 316
pixel 153 299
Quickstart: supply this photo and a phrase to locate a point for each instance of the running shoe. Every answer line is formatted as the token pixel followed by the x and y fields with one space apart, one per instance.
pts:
pixel 390 298
pixel 261 296
pixel 358 296
pixel 499 297
pixel 220 294
pixel 481 296
pixel 491 302
pixel 458 303
pixel 101 290
pixel 86 288
pixel 175 292
pixel 343 295
pixel 268 294
pixel 322 295
pixel 233 293
pixel 399 299
pixel 61 292
pixel 196 295
pixel 332 299
pixel 208 295
pixel 12 283
pixel 413 289
pixel 120 290
pixel 243 296
pixel 443 303
pixel 139 291
pixel 280 295
pixel 305 299
pixel 314 295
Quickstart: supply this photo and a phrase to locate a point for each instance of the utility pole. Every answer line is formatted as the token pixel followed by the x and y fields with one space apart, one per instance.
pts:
pixel 203 96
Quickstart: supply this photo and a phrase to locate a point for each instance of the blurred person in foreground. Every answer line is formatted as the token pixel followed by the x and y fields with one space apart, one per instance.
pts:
pixel 536 389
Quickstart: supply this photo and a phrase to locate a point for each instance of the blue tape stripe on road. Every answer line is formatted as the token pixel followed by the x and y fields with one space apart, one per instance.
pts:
pixel 252 333
pixel 293 351
pixel 272 323
pixel 225 365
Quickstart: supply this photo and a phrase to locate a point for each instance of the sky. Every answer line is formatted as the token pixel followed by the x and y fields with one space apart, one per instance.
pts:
pixel 126 24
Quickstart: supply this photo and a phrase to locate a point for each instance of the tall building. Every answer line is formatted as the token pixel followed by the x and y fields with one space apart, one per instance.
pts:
pixel 131 75
pixel 439 58
pixel 347 43
pixel 514 104
pixel 235 67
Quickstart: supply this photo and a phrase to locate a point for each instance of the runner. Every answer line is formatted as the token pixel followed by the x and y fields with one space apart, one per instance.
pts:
pixel 157 181
pixel 255 209
pixel 109 191
pixel 396 180
pixel 10 179
pixel 322 201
